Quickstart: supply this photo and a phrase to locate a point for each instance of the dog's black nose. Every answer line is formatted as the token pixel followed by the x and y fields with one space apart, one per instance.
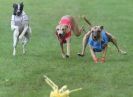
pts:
pixel 18 13
pixel 60 35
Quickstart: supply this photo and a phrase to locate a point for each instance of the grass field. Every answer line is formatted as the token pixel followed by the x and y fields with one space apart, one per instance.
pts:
pixel 22 75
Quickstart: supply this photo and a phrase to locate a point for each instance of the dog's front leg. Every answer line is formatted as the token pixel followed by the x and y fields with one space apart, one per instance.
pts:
pixel 104 54
pixel 26 26
pixel 95 59
pixel 23 33
pixel 62 50
pixel 68 48
pixel 15 40
pixel 113 40
pixel 84 43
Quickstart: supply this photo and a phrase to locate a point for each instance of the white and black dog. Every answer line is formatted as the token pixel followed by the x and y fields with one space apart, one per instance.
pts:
pixel 20 26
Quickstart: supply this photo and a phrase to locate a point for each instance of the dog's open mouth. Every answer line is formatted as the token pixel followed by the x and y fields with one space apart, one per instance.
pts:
pixel 61 35
pixel 96 38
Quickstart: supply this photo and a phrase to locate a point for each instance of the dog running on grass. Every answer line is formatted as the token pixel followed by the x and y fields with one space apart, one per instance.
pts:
pixel 64 29
pixel 97 39
pixel 20 26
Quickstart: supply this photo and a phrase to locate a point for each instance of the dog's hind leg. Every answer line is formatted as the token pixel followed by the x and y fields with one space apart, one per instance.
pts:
pixel 114 41
pixel 77 31
pixel 118 48
pixel 15 40
pixel 84 43
pixel 24 31
pixel 24 42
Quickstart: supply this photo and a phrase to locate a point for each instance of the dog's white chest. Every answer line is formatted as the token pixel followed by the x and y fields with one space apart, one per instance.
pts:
pixel 18 20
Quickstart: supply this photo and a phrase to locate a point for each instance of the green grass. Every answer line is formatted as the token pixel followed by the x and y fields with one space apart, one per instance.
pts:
pixel 22 76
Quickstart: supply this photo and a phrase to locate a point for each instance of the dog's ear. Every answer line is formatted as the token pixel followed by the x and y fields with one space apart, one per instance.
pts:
pixel 101 27
pixel 68 28
pixel 57 29
pixel 92 29
pixel 56 33
pixel 14 5
pixel 21 5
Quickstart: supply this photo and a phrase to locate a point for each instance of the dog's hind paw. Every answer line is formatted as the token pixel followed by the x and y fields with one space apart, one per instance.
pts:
pixel 14 54
pixel 23 52
pixel 123 52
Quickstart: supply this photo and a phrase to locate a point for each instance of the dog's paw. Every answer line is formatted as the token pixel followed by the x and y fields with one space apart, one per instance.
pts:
pixel 123 52
pixel 81 55
pixel 95 60
pixel 20 37
pixel 24 52
pixel 67 56
pixel 102 60
pixel 63 56
pixel 14 54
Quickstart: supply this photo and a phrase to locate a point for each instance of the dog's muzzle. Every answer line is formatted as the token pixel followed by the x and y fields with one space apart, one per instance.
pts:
pixel 61 35
pixel 95 38
pixel 18 13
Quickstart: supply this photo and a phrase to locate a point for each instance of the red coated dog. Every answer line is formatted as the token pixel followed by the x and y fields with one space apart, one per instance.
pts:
pixel 64 29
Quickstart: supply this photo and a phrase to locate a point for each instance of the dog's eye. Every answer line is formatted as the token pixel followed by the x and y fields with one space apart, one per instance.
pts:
pixel 57 29
pixel 63 29
pixel 94 33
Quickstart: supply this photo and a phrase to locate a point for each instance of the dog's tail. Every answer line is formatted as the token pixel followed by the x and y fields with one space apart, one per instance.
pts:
pixel 87 21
